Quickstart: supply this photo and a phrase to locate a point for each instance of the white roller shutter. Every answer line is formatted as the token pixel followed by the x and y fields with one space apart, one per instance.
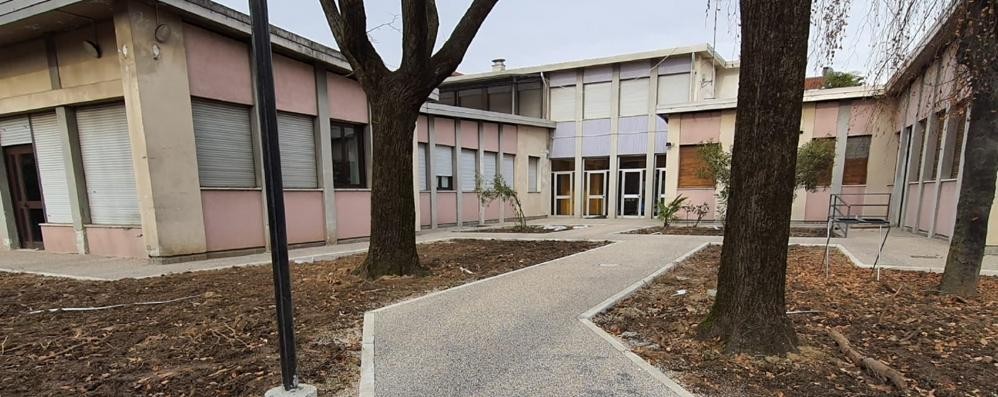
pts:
pixel 489 168
pixel 107 165
pixel 563 103
pixel 532 164
pixel 469 169
pixel 673 88
pixel 421 149
pixel 596 100
pixel 509 169
pixel 51 167
pixel 224 144
pixel 443 160
pixel 15 131
pixel 634 97
pixel 529 102
pixel 297 150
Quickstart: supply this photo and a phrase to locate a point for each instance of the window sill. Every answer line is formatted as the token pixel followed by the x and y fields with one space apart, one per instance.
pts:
pixel 231 189
pixel 352 189
pixel 303 189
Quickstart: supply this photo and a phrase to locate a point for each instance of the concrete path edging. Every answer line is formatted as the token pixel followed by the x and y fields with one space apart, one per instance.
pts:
pixel 368 344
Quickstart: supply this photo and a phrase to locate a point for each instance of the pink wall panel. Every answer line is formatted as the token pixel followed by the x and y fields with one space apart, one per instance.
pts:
pixel 508 141
pixel 816 205
pixel 233 219
pixel 294 83
pixel 826 116
pixel 861 118
pixel 425 218
pixel 353 214
pixel 59 238
pixel 218 67
pixel 469 134
pixel 697 197
pixel 422 130
pixel 927 207
pixel 116 241
pixel 492 211
pixel 490 137
pixel 911 205
pixel 946 210
pixel 305 217
pixel 469 204
pixel 444 131
pixel 446 208
pixel 347 101
pixel 700 127
pixel 852 194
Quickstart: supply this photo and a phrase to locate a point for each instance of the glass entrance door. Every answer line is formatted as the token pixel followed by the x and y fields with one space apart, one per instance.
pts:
pixel 596 182
pixel 631 193
pixel 25 189
pixel 564 187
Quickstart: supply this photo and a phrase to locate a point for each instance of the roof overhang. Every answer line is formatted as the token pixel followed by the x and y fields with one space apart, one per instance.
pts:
pixel 828 94
pixel 437 109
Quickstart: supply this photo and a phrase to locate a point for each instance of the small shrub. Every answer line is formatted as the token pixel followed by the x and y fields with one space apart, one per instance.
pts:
pixel 499 190
pixel 698 210
pixel 667 211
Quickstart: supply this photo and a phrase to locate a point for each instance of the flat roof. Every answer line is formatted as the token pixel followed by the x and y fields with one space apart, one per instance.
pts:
pixel 827 94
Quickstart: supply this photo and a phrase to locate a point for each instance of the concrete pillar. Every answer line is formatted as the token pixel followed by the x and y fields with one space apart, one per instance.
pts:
pixel 415 173
pixel 75 180
pixel 456 159
pixel 431 147
pixel 161 130
pixel 612 192
pixel 481 162
pixel 579 193
pixel 324 144
pixel 8 227
pixel 499 170
pixel 672 158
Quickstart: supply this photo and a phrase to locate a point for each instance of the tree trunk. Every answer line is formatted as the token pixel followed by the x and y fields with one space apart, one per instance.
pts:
pixel 749 313
pixel 392 249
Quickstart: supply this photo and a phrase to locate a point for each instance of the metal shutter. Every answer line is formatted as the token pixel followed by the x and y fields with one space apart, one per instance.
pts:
pixel 297 136
pixel 673 88
pixel 51 167
pixel 489 168
pixel 563 103
pixel 421 149
pixel 224 144
pixel 532 164
pixel 634 97
pixel 509 169
pixel 443 161
pixel 15 131
pixel 107 165
pixel 596 100
pixel 469 169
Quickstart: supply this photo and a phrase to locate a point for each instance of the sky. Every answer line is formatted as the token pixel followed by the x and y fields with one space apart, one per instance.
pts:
pixel 537 32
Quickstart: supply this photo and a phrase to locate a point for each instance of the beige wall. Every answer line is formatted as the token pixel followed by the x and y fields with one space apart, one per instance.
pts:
pixel 533 141
pixel 24 69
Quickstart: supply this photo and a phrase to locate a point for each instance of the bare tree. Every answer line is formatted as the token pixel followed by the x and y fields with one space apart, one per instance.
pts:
pixel 977 53
pixel 749 314
pixel 395 97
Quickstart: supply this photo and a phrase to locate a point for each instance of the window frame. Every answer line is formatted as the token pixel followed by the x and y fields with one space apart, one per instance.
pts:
pixel 360 131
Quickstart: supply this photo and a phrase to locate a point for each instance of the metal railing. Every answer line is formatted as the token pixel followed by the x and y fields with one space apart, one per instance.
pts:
pixel 836 216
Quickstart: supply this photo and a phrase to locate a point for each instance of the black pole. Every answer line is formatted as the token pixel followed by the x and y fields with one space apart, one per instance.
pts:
pixel 267 112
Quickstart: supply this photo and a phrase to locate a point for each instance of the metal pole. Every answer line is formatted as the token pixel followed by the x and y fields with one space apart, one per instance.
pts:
pixel 267 112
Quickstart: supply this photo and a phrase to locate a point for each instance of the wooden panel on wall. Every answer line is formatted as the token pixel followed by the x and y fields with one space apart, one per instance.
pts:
pixel 690 164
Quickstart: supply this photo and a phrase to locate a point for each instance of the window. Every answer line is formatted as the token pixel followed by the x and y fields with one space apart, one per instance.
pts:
pixel 563 103
pixel 673 88
pixel 509 170
pixel 953 149
pixel 297 136
pixel 857 157
pixel 469 169
pixel 690 165
pixel 424 184
pixel 443 167
pixel 489 168
pixel 224 144
pixel 915 152
pixel 349 152
pixel 934 146
pixel 596 100
pixel 634 97
pixel 532 180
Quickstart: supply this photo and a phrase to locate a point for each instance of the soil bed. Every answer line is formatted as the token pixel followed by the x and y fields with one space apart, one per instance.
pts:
pixel 944 346
pixel 519 229
pixel 711 231
pixel 221 341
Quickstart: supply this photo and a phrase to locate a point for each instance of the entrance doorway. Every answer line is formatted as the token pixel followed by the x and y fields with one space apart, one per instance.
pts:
pixel 632 193
pixel 564 186
pixel 26 194
pixel 596 193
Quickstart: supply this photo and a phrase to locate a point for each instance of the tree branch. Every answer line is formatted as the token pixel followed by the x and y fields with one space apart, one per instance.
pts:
pixel 415 46
pixel 349 28
pixel 445 61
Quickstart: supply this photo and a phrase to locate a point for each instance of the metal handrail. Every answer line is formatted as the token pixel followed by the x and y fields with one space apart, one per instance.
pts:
pixel 835 215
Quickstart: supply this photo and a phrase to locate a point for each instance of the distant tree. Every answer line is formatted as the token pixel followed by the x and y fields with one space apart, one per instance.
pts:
pixel 977 52
pixel 843 79
pixel 749 313
pixel 395 97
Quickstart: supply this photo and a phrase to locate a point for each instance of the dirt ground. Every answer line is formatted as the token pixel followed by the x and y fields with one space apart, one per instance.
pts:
pixel 221 340
pixel 712 231
pixel 944 346
pixel 520 229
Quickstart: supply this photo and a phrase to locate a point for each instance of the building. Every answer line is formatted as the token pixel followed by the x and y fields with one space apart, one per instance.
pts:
pixel 128 129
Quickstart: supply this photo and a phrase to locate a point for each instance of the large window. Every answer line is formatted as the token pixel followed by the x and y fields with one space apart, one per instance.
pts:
pixel 349 152
pixel 857 157
pixel 469 169
pixel 422 167
pixel 443 167
pixel 690 165
pixel 224 144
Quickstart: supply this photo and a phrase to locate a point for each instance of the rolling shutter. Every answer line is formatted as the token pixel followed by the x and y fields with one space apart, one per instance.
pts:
pixel 421 149
pixel 107 165
pixel 633 97
pixel 15 131
pixel 297 150
pixel 596 100
pixel 532 164
pixel 469 169
pixel 673 88
pixel 51 167
pixel 509 169
pixel 224 144
pixel 489 168
pixel 443 160
pixel 563 103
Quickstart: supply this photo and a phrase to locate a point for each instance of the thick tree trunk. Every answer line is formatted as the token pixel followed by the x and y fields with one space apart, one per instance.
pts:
pixel 392 249
pixel 749 314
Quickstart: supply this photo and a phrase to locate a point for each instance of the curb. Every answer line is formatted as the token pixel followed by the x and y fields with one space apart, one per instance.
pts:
pixel 586 320
pixel 368 345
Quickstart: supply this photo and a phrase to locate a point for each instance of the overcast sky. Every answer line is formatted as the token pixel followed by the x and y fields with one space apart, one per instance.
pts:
pixel 535 32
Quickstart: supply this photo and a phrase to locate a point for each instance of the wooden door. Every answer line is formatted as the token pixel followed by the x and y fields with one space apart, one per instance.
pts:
pixel 26 194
